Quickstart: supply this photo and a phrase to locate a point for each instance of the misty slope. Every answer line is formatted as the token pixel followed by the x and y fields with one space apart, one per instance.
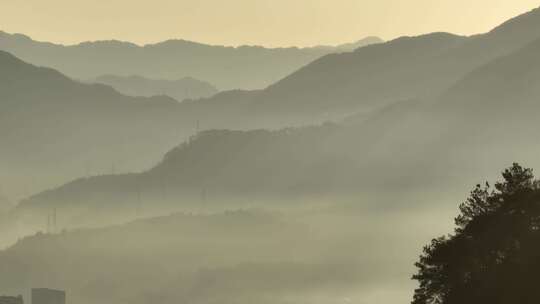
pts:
pixel 488 118
pixel 185 88
pixel 215 167
pixel 245 67
pixel 509 83
pixel 381 74
pixel 503 98
pixel 340 84
pixel 53 129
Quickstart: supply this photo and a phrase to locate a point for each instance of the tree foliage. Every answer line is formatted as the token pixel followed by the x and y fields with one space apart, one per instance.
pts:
pixel 493 256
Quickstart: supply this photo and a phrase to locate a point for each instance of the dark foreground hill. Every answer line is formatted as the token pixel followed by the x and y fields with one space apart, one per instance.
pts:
pixel 492 254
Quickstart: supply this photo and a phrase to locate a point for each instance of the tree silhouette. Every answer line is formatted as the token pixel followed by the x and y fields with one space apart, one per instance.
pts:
pixel 494 254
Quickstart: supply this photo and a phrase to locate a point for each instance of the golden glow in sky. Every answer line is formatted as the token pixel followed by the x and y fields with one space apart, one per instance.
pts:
pixel 262 22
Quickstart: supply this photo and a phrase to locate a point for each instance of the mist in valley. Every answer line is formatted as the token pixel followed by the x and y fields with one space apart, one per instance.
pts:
pixel 183 172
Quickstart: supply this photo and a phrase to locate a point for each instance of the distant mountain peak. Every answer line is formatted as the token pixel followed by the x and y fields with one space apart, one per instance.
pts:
pixel 429 36
pixel 108 43
pixel 361 43
pixel 179 89
pixel 16 36
pixel 178 43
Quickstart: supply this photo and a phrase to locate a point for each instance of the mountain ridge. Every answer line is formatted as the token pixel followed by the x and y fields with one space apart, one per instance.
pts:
pixel 225 67
pixel 348 45
pixel 425 117
pixel 180 89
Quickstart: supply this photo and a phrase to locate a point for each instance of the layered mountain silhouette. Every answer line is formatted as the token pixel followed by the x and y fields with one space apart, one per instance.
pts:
pixel 479 107
pixel 56 129
pixel 185 88
pixel 415 120
pixel 215 169
pixel 53 128
pixel 402 69
pixel 244 67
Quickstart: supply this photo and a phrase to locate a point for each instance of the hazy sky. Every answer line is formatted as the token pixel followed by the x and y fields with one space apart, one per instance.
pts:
pixel 263 22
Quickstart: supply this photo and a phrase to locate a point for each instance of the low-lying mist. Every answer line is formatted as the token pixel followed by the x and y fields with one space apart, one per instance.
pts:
pixel 321 252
